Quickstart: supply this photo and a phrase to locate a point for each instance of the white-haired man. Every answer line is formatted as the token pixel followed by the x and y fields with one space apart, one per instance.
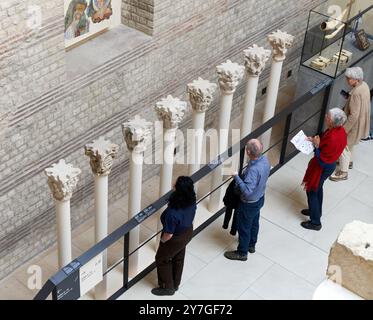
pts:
pixel 357 125
pixel 251 188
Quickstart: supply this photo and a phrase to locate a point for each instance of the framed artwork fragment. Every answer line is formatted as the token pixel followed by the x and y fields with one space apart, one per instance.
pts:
pixel 85 19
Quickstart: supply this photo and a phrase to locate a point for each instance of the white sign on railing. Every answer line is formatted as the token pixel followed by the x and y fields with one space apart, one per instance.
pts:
pixel 91 274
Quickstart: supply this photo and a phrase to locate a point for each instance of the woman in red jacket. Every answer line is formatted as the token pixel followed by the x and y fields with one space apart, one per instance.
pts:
pixel 328 148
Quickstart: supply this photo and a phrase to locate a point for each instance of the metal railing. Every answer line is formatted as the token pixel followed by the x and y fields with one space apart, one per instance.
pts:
pixel 63 285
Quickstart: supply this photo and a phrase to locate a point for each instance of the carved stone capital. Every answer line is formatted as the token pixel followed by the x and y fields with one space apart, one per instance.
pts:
pixel 171 111
pixel 136 132
pixel 255 60
pixel 62 179
pixel 230 74
pixel 280 42
pixel 101 153
pixel 200 94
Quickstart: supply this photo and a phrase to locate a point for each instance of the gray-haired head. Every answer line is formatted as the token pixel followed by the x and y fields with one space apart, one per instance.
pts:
pixel 337 116
pixel 254 147
pixel 355 73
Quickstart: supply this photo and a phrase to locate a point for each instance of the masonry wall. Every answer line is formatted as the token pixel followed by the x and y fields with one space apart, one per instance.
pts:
pixel 53 118
pixel 139 14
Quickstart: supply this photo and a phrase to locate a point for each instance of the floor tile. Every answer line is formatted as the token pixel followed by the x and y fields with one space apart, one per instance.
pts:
pixel 292 253
pixel 225 279
pixel 280 284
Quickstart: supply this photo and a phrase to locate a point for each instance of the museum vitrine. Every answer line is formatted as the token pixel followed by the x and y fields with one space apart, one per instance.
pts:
pixel 339 33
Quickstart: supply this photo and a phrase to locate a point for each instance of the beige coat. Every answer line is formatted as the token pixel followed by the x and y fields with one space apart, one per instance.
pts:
pixel 358 114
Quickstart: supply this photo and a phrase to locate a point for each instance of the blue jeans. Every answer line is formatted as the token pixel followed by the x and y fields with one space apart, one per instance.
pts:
pixel 315 198
pixel 248 224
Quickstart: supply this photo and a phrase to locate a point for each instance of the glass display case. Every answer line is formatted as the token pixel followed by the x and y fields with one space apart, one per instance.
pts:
pixel 339 34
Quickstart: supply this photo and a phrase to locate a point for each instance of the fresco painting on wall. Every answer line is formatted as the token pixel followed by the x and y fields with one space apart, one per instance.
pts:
pixel 100 10
pixel 87 18
pixel 76 20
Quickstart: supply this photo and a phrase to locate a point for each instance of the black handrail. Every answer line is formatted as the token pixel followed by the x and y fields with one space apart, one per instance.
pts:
pixel 123 231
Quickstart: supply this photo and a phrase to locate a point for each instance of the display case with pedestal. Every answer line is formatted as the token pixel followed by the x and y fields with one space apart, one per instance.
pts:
pixel 339 34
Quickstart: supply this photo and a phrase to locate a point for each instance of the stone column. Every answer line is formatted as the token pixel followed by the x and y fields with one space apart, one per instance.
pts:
pixel 62 180
pixel 280 42
pixel 200 95
pixel 101 154
pixel 255 60
pixel 230 74
pixel 136 133
pixel 171 111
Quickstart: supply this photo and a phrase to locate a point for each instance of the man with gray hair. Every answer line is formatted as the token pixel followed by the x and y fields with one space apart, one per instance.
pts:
pixel 357 125
pixel 251 188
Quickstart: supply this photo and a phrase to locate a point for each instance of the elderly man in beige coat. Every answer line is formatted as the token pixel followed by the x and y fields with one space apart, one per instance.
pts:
pixel 357 125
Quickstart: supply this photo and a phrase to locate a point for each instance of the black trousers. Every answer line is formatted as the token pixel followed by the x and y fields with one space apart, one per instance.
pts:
pixel 169 259
pixel 315 198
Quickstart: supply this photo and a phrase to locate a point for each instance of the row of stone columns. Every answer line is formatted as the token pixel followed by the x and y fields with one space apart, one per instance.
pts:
pixel 63 177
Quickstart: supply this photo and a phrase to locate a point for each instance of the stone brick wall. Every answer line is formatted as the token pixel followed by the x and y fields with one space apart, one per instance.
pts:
pixel 139 14
pixel 53 119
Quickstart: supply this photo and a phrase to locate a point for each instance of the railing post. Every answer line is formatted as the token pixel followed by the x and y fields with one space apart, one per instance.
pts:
pixel 101 154
pixel 324 109
pixel 280 42
pixel 62 180
pixel 136 134
pixel 126 252
pixel 230 74
pixel 285 138
pixel 171 112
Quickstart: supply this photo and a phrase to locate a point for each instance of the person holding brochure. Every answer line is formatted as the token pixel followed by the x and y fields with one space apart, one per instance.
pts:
pixel 328 149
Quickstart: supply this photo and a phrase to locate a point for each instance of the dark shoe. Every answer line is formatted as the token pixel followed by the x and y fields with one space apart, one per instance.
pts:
pixel 235 255
pixel 163 292
pixel 252 249
pixel 310 226
pixel 367 138
pixel 351 165
pixel 233 232
pixel 305 212
pixel 225 226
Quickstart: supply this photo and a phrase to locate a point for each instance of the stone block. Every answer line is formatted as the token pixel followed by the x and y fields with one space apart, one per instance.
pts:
pixel 351 259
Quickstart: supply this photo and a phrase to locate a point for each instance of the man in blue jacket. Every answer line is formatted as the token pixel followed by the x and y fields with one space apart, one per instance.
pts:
pixel 251 188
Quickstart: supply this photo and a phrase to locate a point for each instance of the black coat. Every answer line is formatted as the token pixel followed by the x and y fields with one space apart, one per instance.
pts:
pixel 231 198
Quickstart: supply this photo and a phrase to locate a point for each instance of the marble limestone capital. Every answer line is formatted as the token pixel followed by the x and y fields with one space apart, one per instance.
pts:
pixel 230 74
pixel 136 133
pixel 200 94
pixel 101 153
pixel 171 111
pixel 62 179
pixel 255 60
pixel 280 42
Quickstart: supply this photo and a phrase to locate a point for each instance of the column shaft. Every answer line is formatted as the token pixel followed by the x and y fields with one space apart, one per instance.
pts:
pixel 63 232
pixel 169 137
pixel 224 121
pixel 198 123
pixel 272 93
pixel 249 105
pixel 101 207
pixel 134 205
